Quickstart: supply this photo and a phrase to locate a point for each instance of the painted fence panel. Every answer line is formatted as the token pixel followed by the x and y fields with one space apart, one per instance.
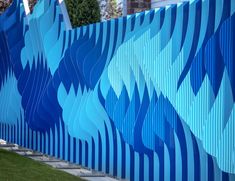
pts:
pixel 144 97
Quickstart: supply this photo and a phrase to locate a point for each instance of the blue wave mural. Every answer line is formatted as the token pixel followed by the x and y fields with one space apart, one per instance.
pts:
pixel 149 96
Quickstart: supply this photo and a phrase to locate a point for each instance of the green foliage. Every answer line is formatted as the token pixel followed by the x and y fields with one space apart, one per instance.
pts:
pixel 83 12
pixel 32 3
pixel 4 4
pixel 112 9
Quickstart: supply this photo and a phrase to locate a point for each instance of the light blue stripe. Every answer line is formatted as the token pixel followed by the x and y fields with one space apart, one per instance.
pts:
pixel 137 166
pixel 56 141
pixel 166 164
pixel 146 168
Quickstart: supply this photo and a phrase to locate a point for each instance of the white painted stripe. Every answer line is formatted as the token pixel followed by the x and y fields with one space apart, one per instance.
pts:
pixel 26 7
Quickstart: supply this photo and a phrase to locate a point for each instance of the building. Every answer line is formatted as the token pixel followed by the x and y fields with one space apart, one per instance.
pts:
pixel 133 6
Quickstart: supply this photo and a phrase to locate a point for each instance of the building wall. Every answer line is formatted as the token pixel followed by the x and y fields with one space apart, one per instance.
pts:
pixel 134 6
pixel 162 3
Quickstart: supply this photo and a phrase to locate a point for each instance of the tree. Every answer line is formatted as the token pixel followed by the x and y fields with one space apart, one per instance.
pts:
pixel 83 12
pixel 113 10
pixel 32 3
pixel 4 4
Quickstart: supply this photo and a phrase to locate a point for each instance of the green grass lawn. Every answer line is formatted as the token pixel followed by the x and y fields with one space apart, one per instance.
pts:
pixel 16 167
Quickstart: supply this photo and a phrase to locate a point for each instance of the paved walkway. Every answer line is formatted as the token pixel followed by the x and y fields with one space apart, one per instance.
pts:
pixel 65 166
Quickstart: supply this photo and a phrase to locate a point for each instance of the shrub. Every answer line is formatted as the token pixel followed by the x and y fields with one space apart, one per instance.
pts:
pixel 83 12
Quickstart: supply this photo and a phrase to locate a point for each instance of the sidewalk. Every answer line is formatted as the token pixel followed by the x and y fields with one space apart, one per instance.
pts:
pixel 65 166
